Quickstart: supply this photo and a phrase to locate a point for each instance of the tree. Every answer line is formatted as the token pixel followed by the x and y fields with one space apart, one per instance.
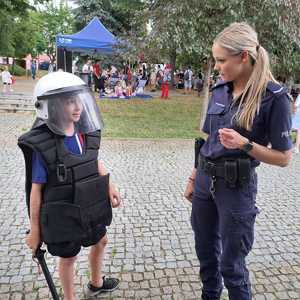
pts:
pixel 49 22
pixel 116 15
pixel 12 11
pixel 189 27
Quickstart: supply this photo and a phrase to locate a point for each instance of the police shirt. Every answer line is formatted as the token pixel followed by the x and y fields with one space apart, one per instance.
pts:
pixel 271 126
pixel 39 171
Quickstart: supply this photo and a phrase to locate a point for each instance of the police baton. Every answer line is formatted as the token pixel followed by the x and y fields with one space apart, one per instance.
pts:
pixel 39 257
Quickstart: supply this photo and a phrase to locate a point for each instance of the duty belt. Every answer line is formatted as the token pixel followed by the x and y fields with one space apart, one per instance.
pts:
pixel 235 171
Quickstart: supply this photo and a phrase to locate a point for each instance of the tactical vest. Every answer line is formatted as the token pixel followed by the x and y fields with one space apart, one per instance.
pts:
pixel 75 198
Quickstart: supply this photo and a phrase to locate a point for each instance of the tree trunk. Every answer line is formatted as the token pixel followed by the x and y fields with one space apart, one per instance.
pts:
pixel 173 63
pixel 205 92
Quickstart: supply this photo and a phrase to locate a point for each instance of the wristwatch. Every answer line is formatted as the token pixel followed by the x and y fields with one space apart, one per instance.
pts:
pixel 247 147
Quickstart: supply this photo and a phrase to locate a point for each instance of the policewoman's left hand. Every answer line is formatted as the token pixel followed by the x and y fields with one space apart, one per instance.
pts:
pixel 114 196
pixel 231 139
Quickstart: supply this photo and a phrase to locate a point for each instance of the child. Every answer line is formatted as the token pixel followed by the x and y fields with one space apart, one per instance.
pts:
pixel 165 83
pixel 67 187
pixel 129 89
pixel 6 79
pixel 118 89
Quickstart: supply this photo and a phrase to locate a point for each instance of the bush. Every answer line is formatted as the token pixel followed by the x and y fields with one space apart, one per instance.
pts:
pixel 17 70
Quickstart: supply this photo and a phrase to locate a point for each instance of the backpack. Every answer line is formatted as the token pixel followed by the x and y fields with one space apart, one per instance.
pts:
pixel 186 75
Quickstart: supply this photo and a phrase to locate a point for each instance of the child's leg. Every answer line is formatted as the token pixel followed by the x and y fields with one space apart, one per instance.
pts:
pixel 167 91
pixel 162 90
pixel 66 275
pixel 96 259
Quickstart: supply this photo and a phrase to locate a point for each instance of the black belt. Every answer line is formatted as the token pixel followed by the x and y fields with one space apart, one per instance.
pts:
pixel 235 170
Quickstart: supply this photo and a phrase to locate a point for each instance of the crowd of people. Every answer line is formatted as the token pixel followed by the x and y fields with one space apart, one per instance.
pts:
pixel 111 81
pixel 127 81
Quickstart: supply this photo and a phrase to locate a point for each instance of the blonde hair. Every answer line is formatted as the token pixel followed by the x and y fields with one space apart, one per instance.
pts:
pixel 236 38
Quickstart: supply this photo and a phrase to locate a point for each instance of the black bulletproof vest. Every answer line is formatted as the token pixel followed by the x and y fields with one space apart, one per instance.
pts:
pixel 75 198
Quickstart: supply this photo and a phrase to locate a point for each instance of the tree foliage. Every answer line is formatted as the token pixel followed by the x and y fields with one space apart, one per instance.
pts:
pixel 26 29
pixel 11 11
pixel 188 28
pixel 116 15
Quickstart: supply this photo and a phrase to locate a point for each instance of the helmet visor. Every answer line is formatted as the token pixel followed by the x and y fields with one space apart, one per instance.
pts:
pixel 75 109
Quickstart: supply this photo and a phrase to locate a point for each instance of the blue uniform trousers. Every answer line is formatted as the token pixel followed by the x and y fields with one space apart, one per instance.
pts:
pixel 224 233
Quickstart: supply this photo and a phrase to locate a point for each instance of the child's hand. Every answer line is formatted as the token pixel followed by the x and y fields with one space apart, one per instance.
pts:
pixel 33 239
pixel 114 196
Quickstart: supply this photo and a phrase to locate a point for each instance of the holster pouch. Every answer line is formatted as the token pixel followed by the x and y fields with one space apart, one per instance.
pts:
pixel 231 173
pixel 244 170
pixel 199 142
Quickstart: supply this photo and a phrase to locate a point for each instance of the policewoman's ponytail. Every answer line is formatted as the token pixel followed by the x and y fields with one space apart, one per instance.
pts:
pixel 240 37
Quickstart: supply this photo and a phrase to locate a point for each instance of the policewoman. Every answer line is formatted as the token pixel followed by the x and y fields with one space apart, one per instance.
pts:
pixel 69 195
pixel 248 121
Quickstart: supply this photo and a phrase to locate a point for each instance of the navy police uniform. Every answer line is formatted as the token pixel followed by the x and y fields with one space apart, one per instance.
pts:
pixel 223 214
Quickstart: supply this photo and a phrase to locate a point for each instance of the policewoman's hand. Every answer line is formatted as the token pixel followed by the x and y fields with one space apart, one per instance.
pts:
pixel 231 139
pixel 188 193
pixel 114 196
pixel 33 239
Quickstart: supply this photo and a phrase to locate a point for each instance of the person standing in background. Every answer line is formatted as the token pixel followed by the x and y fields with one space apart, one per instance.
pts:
pixel 6 79
pixel 33 69
pixel 296 120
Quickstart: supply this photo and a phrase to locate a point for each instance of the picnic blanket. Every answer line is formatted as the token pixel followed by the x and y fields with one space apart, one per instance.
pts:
pixel 137 96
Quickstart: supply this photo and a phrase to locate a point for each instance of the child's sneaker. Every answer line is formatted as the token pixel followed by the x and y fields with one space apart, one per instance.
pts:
pixel 109 284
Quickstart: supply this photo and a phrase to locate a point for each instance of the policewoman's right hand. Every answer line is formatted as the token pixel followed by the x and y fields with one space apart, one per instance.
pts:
pixel 33 239
pixel 188 193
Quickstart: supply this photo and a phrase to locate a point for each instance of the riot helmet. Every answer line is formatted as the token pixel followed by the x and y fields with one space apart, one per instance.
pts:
pixel 63 99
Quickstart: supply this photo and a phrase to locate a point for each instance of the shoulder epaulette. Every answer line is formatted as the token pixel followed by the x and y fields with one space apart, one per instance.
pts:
pixel 276 88
pixel 219 84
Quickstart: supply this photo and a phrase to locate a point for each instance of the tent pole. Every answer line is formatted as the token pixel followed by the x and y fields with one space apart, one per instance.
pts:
pixel 55 58
pixel 65 61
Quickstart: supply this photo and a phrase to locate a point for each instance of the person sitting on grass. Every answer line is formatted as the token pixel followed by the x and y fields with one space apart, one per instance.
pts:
pixel 119 90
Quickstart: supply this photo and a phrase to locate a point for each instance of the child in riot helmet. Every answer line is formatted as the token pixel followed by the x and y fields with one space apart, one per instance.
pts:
pixel 69 194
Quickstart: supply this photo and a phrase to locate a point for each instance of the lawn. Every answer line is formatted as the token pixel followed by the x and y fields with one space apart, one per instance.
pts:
pixel 177 117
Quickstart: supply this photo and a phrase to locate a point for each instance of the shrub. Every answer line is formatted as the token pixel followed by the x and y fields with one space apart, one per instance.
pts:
pixel 17 70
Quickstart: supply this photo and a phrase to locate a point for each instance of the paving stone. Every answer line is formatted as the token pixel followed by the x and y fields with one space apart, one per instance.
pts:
pixel 151 233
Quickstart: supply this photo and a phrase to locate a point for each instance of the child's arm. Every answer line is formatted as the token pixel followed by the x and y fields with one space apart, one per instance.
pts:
pixel 114 195
pixel 34 237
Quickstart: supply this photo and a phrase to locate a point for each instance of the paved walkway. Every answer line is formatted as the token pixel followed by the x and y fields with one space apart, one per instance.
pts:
pixel 151 247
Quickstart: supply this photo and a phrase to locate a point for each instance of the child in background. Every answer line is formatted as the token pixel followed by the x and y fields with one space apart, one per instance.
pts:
pixel 6 79
pixel 129 89
pixel 118 90
pixel 165 83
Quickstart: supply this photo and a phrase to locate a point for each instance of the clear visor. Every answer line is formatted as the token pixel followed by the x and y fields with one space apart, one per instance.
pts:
pixel 74 110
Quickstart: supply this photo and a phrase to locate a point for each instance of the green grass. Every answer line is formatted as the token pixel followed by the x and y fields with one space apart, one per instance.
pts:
pixel 177 117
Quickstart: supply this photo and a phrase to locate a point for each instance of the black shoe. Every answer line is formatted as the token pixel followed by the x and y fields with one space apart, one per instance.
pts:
pixel 109 284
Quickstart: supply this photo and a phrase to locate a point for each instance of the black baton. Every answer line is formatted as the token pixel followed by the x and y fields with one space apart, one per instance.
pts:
pixel 39 254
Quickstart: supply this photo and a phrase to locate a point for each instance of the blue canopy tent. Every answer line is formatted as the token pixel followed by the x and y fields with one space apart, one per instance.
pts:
pixel 93 38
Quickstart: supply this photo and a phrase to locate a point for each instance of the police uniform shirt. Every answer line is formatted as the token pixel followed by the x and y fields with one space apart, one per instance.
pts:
pixel 39 171
pixel 271 126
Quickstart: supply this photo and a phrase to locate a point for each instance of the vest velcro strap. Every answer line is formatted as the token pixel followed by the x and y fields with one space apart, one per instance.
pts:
pixel 61 173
